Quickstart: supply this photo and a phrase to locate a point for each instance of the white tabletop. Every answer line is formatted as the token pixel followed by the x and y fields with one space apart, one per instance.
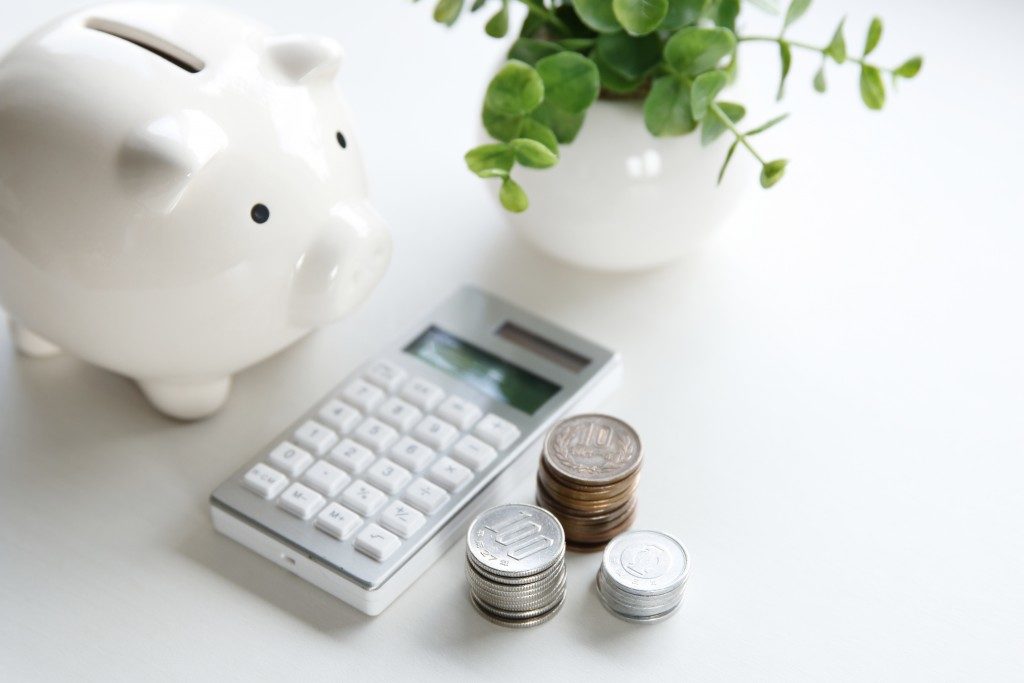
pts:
pixel 830 394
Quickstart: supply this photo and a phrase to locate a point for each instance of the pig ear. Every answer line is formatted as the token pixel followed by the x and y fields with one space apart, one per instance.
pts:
pixel 304 58
pixel 159 158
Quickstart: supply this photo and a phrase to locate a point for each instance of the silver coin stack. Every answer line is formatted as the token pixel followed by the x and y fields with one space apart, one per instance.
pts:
pixel 643 575
pixel 515 565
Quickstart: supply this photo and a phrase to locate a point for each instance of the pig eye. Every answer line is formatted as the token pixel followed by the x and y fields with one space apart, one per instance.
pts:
pixel 260 213
pixel 341 140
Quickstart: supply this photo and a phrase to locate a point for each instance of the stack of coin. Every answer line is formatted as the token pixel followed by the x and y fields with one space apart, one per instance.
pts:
pixel 515 564
pixel 643 575
pixel 588 476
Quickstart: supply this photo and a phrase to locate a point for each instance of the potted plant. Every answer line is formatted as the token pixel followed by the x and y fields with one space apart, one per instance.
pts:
pixel 623 81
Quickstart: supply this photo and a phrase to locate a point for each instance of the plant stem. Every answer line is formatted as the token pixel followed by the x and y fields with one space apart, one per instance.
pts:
pixel 806 46
pixel 547 15
pixel 735 131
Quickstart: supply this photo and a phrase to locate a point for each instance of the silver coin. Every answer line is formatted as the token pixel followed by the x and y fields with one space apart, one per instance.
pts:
pixel 646 563
pixel 519 623
pixel 614 602
pixel 516 540
pixel 514 592
pixel 488 575
pixel 640 619
pixel 519 603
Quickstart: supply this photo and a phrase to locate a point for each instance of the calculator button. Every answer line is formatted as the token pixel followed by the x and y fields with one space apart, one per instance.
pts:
pixel 402 519
pixel 385 374
pixel 315 436
pixel 264 481
pixel 301 501
pixel 449 474
pixel 411 453
pixel 422 393
pixel 341 416
pixel 326 478
pixel 459 412
pixel 398 413
pixel 350 456
pixel 435 433
pixel 425 496
pixel 338 521
pixel 496 431
pixel 290 459
pixel 387 476
pixel 473 453
pixel 377 542
pixel 362 395
pixel 363 498
pixel 375 434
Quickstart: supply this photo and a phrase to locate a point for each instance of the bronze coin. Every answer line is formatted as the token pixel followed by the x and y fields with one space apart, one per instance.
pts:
pixel 593 450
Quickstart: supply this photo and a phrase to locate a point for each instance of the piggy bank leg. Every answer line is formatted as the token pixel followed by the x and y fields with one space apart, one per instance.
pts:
pixel 186 399
pixel 30 343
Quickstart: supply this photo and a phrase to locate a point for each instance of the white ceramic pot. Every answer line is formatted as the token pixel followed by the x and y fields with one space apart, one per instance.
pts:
pixel 181 195
pixel 621 199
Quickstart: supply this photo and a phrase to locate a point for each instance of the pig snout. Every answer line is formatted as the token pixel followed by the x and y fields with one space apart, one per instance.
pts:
pixel 345 259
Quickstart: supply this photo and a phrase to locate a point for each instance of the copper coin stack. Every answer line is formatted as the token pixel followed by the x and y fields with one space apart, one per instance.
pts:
pixel 588 477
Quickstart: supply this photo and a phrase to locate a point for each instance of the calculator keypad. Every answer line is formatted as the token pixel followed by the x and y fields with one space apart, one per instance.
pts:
pixel 354 465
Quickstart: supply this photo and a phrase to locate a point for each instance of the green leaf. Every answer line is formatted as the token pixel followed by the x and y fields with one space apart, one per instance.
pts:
pixel 874 35
pixel 613 80
pixel 837 48
pixel 872 89
pixel 632 58
pixel 694 50
pixel 724 13
pixel 597 14
pixel 571 81
pixel 512 196
pixel 909 68
pixel 497 26
pixel 640 17
pixel 819 79
pixel 489 161
pixel 712 126
pixel 500 126
pixel 515 90
pixel 477 4
pixel 530 51
pixel 765 6
pixel 681 13
pixel 797 8
pixel 728 158
pixel 765 126
pixel 786 55
pixel 447 11
pixel 564 124
pixel 577 44
pixel 705 88
pixel 772 172
pixel 667 107
pixel 535 130
pixel 533 154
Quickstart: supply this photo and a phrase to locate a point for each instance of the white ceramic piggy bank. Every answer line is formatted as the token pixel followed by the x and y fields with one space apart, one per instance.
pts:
pixel 181 195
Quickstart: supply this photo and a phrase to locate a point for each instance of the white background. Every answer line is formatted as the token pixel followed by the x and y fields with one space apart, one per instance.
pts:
pixel 830 394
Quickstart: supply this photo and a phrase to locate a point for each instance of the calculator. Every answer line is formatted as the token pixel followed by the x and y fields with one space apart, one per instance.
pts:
pixel 371 485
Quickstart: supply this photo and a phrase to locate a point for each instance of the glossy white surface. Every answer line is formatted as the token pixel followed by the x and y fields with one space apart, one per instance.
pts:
pixel 829 394
pixel 622 200
pixel 127 184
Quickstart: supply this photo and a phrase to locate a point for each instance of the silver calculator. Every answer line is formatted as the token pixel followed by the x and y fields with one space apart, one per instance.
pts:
pixel 362 493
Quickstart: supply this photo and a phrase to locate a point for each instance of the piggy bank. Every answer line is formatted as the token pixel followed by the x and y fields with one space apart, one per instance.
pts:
pixel 181 195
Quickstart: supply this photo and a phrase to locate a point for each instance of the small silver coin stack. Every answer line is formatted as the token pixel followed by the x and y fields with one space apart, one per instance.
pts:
pixel 515 565
pixel 643 575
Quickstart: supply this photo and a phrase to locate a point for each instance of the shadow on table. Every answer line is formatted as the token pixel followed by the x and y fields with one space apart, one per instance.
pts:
pixel 271 584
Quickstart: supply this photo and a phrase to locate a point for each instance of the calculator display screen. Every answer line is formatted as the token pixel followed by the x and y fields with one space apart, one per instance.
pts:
pixel 483 371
